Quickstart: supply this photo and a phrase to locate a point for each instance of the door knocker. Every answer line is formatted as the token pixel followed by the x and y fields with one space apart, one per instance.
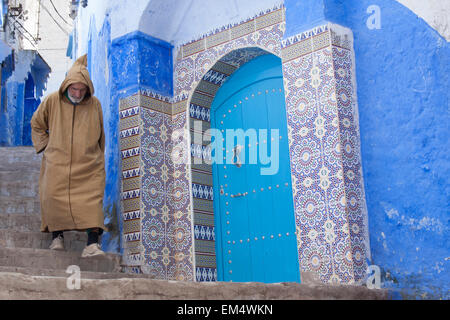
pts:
pixel 236 151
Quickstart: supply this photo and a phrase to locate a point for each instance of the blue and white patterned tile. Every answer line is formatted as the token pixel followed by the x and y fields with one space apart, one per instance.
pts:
pixel 154 266
pixel 152 191
pixel 180 268
pixel 343 259
pixel 129 132
pixel 310 206
pixel 179 196
pixel 131 173
pixel 202 191
pixel 203 274
pixel 153 234
pixel 131 152
pixel 316 256
pixel 305 155
pixel 129 112
pixel 151 119
pixel 180 236
pixel 131 215
pixel 199 112
pixel 204 233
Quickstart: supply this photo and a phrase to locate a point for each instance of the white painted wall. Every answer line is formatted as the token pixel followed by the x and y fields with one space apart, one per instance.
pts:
pixel 174 21
pixel 435 12
pixel 125 16
pixel 54 39
pixel 180 21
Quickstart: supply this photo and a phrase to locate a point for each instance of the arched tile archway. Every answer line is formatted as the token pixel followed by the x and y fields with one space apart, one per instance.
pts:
pixel 201 171
pixel 171 229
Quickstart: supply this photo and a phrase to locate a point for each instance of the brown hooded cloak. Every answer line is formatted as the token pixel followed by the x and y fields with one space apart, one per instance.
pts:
pixel 72 176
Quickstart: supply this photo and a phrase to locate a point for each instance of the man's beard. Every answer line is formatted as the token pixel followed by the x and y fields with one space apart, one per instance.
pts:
pixel 73 99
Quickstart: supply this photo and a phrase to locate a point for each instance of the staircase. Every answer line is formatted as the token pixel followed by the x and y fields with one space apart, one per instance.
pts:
pixel 29 270
pixel 23 248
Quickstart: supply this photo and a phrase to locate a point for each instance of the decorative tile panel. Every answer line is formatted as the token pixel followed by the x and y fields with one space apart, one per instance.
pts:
pixel 324 146
pixel 157 233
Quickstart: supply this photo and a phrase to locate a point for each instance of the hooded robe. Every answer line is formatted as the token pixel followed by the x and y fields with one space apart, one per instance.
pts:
pixel 71 137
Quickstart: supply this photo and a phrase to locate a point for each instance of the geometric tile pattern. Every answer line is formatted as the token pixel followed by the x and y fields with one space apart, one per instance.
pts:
pixel 330 211
pixel 157 232
pixel 167 204
pixel 130 183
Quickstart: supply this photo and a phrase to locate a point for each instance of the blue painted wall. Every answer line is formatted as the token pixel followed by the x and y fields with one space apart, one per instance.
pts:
pixel 402 72
pixel 118 69
pixel 98 66
pixel 18 101
pixel 5 129
pixel 142 61
pixel 11 113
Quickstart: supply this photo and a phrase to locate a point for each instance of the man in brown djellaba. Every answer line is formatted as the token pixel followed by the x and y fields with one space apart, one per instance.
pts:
pixel 68 128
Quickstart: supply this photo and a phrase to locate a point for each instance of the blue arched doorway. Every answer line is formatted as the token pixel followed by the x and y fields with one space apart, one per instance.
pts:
pixel 253 203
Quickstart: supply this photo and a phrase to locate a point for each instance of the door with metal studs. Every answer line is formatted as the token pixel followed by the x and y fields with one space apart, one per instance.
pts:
pixel 254 214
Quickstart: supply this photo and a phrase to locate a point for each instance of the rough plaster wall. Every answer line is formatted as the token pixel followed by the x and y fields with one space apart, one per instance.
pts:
pixel 174 21
pixel 100 76
pixel 435 12
pixel 403 95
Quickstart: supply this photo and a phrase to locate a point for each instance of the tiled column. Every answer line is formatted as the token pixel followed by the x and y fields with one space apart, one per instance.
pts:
pixel 157 232
pixel 130 129
pixel 166 224
pixel 331 219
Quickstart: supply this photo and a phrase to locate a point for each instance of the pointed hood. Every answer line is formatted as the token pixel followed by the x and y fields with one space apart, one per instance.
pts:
pixel 78 73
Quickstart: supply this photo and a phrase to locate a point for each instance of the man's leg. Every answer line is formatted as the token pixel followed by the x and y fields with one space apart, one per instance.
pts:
pixel 93 247
pixel 93 235
pixel 56 234
pixel 57 240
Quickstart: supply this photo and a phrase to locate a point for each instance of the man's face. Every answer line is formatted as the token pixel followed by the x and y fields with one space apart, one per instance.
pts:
pixel 77 91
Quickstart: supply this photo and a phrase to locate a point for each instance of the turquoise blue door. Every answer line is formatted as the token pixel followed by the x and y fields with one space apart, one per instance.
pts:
pixel 254 215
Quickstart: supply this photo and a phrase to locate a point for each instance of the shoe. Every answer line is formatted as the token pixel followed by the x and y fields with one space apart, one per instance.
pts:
pixel 57 243
pixel 92 250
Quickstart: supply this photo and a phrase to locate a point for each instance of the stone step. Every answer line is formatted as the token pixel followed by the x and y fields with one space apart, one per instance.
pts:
pixel 23 286
pixel 32 164
pixel 21 174
pixel 17 162
pixel 29 205
pixel 20 221
pixel 73 240
pixel 51 259
pixel 13 154
pixel 63 273
pixel 18 165
pixel 20 188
